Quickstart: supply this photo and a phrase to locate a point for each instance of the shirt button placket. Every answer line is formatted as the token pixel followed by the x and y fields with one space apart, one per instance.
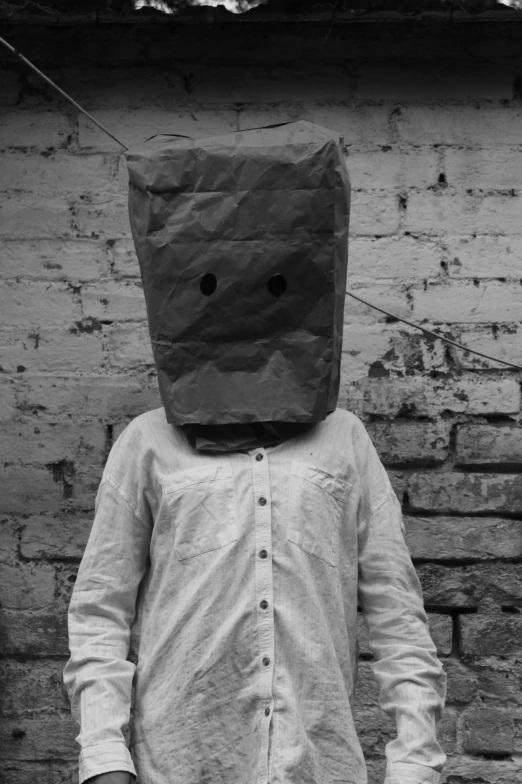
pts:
pixel 264 596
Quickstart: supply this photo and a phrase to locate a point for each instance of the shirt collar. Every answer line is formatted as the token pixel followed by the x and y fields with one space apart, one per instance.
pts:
pixel 242 437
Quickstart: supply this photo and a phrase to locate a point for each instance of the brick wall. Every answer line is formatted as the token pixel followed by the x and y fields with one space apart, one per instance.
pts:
pixel 431 117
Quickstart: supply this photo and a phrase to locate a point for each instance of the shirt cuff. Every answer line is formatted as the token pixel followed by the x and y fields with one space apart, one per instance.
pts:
pixel 104 758
pixel 411 773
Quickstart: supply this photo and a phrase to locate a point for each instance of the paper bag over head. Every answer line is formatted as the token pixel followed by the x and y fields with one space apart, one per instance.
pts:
pixel 242 242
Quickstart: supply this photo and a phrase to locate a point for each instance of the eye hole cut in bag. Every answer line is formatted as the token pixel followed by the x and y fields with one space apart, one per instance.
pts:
pixel 315 509
pixel 203 508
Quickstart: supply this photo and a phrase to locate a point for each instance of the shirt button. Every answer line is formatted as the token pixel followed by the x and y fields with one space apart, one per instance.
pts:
pixel 259 458
pixel 267 711
pixel 264 604
pixel 263 554
pixel 262 501
pixel 266 661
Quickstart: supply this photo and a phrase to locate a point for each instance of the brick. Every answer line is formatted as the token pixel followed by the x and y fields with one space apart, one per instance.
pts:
pixel 462 684
pixel 466 587
pixel 285 44
pixel 489 445
pixel 123 257
pixel 7 397
pixel 398 481
pixel 363 636
pixel 441 212
pixel 362 126
pixel 54 260
pixel 61 537
pixel 33 634
pixel 52 350
pixel 518 732
pixel 130 348
pixel 483 256
pixel 374 730
pixel 27 216
pixel 410 353
pixel 140 87
pixel 437 82
pixel 447 731
pixel 441 632
pixel 58 173
pixel 111 50
pixel 25 686
pixel 498 341
pixel 269 42
pixel 26 586
pixel 393 257
pixel 63 485
pixel 43 49
pixel 464 301
pixel 487 730
pixel 20 772
pixel 393 169
pixel 466 126
pixel 391 296
pixel 491 635
pixel 39 738
pixel 9 88
pixel 415 396
pixel 224 84
pixel 413 442
pixel 106 397
pixel 33 129
pixel 497 45
pixel 362 347
pixel 500 681
pixel 366 687
pixel 465 493
pixel 373 214
pixel 483 169
pixel 469 770
pixel 37 304
pixel 25 487
pixel 66 576
pixel 40 443
pixel 463 538
pixel 136 126
pixel 8 540
pixel 102 216
pixel 120 171
pixel 123 301
pixel 84 488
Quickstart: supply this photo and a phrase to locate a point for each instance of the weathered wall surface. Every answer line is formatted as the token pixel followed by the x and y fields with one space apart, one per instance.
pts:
pixel 431 118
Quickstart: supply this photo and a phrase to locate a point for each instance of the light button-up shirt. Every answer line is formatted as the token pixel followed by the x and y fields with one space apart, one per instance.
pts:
pixel 235 578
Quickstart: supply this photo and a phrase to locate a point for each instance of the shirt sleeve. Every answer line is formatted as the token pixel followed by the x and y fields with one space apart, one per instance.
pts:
pixel 98 678
pixel 412 682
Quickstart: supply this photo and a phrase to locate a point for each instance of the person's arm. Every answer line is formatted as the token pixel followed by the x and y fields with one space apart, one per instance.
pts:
pixel 97 676
pixel 412 682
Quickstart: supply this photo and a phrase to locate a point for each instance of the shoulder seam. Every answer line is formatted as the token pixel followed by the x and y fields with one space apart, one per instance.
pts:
pixel 123 495
pixel 375 509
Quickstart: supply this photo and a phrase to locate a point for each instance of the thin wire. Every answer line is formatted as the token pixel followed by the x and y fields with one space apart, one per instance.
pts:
pixel 68 97
pixel 360 299
pixel 434 334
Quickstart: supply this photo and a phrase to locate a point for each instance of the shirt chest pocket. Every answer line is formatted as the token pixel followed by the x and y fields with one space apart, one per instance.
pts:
pixel 201 504
pixel 316 502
